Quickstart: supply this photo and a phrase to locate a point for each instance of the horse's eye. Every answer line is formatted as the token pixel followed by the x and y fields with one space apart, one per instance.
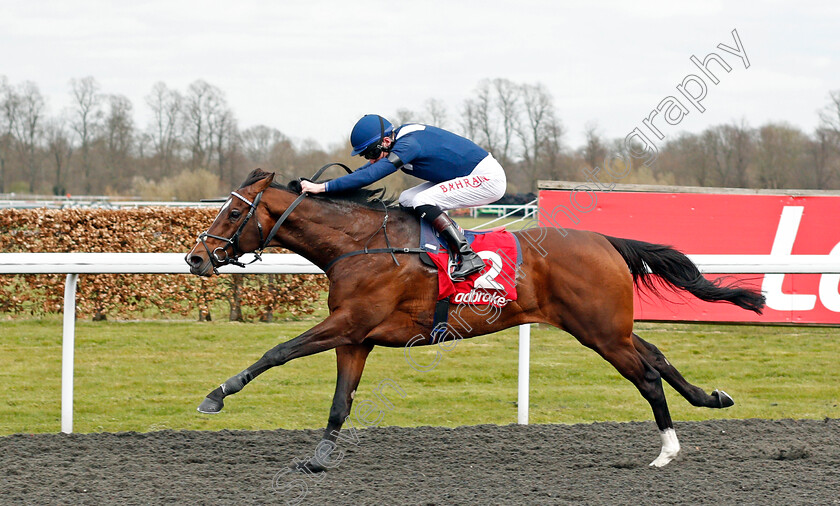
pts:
pixel 235 214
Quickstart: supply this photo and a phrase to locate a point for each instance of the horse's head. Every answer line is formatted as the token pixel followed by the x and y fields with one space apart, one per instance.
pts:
pixel 235 231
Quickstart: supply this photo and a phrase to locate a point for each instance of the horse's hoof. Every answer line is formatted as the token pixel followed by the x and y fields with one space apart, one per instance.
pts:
pixel 308 466
pixel 723 399
pixel 210 406
pixel 663 459
pixel 670 448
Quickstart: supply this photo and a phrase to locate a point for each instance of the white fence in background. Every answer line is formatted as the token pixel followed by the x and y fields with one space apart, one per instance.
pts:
pixel 529 209
pixel 73 264
pixel 95 204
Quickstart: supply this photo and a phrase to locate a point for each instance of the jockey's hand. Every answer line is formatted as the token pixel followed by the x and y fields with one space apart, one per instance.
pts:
pixel 310 187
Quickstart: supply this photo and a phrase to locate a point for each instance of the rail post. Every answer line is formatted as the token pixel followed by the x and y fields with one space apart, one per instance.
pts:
pixel 67 349
pixel 524 362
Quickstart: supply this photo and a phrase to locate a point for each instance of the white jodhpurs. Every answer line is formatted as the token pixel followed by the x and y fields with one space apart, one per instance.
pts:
pixel 484 185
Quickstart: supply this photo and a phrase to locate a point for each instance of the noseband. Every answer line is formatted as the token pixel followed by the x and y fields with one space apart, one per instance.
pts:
pixel 219 256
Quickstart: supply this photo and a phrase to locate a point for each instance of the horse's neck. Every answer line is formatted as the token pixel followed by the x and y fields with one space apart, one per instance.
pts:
pixel 321 231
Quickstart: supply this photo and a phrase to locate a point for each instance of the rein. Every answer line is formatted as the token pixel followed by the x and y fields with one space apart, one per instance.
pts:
pixel 294 204
pixel 233 242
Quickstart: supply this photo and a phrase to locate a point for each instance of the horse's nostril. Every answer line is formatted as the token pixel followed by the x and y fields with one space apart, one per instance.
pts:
pixel 195 260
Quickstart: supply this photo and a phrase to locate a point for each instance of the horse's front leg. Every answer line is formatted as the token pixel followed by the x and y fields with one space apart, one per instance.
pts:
pixel 333 332
pixel 350 361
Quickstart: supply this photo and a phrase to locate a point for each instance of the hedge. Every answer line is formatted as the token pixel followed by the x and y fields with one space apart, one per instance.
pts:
pixel 143 230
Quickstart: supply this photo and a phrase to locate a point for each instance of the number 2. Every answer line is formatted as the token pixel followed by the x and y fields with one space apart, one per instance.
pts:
pixel 488 279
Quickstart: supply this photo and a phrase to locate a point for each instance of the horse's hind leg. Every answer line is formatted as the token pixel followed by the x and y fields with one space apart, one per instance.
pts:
pixel 695 395
pixel 621 353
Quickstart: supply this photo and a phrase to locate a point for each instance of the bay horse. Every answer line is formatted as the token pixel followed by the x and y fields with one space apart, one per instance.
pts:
pixel 581 282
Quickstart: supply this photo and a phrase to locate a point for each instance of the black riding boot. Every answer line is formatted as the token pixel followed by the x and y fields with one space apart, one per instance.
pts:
pixel 469 263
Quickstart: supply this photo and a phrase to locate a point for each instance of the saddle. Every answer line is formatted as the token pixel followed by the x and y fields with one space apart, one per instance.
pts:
pixel 496 285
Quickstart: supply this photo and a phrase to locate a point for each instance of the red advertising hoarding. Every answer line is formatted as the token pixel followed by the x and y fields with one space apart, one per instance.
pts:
pixel 718 224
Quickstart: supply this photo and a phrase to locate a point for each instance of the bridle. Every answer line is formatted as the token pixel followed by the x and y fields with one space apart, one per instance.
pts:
pixel 220 257
pixel 217 260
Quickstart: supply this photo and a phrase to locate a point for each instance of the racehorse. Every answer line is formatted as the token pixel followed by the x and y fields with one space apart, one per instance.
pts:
pixel 581 282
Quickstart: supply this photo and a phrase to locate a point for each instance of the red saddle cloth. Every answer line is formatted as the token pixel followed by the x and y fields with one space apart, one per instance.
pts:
pixel 496 284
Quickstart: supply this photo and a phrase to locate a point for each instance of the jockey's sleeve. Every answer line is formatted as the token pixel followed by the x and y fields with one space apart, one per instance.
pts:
pixel 363 176
pixel 406 148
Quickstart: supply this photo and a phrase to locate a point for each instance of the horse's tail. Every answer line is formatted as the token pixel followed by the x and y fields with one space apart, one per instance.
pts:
pixel 676 269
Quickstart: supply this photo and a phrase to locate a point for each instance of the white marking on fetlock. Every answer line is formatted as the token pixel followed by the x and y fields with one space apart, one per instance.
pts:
pixel 353 394
pixel 670 448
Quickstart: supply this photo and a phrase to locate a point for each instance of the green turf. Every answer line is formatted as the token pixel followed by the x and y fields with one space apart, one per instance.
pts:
pixel 511 222
pixel 145 376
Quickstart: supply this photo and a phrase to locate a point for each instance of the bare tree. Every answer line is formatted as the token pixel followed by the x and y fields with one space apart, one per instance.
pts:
pixel 224 131
pixel 740 146
pixel 259 142
pixel 492 116
pixel 202 104
pixel 283 157
pixel 824 153
pixel 27 128
pixel 729 148
pixel 830 114
pixel 403 116
pixel 435 112
pixel 118 136
pixel 552 151
pixel 8 113
pixel 87 116
pixel 166 106
pixel 540 133
pixel 60 148
pixel 469 120
pixel 826 150
pixel 594 149
pixel 507 106
pixel 484 118
pixel 686 160
pixel 780 150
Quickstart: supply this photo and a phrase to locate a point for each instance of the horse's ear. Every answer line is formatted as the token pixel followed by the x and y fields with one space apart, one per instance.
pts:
pixel 263 183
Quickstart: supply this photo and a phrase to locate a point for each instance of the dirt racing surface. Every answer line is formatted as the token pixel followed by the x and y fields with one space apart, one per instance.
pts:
pixel 722 462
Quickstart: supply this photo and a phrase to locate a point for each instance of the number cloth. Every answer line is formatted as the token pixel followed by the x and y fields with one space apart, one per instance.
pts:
pixel 496 285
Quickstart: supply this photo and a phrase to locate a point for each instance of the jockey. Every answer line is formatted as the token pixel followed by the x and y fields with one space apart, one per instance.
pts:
pixel 459 173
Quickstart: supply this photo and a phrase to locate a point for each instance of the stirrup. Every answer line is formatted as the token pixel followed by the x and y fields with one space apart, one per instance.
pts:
pixel 469 265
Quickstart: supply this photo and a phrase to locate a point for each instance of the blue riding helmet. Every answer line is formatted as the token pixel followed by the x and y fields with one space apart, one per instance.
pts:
pixel 368 130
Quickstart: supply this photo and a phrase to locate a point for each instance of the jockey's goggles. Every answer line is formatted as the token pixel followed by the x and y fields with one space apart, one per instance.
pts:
pixel 372 152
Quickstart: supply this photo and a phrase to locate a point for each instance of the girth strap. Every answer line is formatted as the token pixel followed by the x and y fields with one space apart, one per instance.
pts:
pixel 440 322
pixel 373 250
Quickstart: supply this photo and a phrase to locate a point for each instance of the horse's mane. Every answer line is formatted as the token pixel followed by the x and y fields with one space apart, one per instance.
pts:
pixel 370 199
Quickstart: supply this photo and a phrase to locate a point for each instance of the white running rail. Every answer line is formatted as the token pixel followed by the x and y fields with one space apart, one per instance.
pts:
pixel 73 264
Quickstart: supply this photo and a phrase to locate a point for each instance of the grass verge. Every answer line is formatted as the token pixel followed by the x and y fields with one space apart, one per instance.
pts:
pixel 142 376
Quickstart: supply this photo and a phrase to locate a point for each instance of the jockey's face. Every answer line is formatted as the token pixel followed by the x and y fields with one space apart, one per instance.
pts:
pixel 386 143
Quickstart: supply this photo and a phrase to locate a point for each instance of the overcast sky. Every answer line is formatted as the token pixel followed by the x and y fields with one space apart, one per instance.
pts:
pixel 312 68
